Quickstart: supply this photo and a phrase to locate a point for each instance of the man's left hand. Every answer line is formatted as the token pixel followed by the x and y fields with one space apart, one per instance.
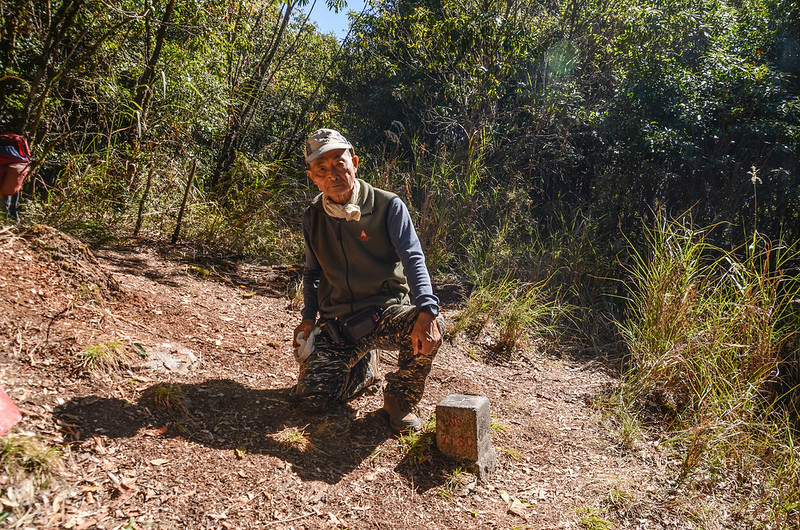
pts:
pixel 426 334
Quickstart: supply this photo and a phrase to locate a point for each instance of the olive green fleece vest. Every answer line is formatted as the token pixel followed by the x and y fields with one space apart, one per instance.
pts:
pixel 360 267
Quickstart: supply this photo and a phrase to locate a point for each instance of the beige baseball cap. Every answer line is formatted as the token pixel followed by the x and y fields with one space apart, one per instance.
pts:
pixel 323 140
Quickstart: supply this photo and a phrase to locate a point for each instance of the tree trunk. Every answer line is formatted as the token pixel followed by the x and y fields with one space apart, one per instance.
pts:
pixel 63 20
pixel 177 231
pixel 144 93
pixel 146 192
pixel 252 91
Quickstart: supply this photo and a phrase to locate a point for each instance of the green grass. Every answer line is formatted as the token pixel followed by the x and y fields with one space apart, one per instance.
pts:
pixel 618 498
pixel 201 271
pixel 416 445
pixel 294 292
pixel 628 427
pixel 28 454
pixel 27 460
pixel 169 398
pixel 445 494
pixel 593 519
pixel 513 454
pixel 707 332
pixel 457 478
pixel 93 200
pixel 496 427
pixel 508 311
pixel 107 357
pixel 295 438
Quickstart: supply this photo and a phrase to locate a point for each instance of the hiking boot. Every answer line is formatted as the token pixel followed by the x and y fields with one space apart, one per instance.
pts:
pixel 400 420
pixel 408 423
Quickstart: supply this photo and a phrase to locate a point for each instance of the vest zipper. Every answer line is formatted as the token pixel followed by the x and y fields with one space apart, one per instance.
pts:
pixel 346 264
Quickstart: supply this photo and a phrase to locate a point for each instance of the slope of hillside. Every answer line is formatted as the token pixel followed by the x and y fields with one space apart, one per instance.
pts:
pixel 195 427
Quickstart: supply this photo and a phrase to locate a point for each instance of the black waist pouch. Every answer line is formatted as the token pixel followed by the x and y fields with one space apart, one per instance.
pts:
pixel 358 325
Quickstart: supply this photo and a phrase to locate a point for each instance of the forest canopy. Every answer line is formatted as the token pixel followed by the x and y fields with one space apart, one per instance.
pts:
pixel 495 119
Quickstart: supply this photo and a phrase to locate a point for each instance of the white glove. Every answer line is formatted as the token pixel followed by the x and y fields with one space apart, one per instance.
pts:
pixel 306 347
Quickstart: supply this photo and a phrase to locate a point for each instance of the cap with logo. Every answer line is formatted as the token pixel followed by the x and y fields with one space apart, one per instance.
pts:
pixel 323 140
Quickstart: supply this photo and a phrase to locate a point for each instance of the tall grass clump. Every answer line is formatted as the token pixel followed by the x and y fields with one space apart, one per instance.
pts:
pixel 706 332
pixel 503 313
pixel 89 196
pixel 108 358
pixel 19 453
pixel 505 310
pixel 104 197
pixel 448 190
pixel 28 466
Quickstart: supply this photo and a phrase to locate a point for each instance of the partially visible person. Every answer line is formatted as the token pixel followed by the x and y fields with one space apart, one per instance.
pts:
pixel 366 288
pixel 15 163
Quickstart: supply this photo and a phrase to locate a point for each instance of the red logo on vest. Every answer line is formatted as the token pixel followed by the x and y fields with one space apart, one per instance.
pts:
pixel 363 236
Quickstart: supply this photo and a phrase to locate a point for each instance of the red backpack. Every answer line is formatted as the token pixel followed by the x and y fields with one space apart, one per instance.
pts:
pixel 15 159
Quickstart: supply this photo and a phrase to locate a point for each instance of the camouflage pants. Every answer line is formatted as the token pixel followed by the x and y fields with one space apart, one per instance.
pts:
pixel 339 372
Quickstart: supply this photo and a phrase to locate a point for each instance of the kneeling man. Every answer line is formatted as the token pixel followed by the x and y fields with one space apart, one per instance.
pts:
pixel 364 263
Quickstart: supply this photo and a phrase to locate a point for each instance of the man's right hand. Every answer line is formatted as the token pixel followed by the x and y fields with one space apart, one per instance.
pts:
pixel 306 326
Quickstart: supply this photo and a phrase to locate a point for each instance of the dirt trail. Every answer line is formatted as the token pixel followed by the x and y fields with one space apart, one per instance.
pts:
pixel 201 433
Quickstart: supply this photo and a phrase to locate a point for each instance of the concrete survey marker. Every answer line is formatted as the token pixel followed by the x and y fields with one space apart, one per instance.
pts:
pixel 463 432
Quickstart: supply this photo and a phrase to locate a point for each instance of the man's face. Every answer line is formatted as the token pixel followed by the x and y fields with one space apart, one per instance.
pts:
pixel 334 173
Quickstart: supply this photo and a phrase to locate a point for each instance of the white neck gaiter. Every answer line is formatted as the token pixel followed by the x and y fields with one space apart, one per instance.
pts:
pixel 349 211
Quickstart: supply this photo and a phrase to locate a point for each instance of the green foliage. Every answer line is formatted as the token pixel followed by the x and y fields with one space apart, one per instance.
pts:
pixel 453 66
pixel 107 92
pixel 698 106
pixel 610 110
pixel 88 199
pixel 252 220
pixel 91 201
pixel 484 115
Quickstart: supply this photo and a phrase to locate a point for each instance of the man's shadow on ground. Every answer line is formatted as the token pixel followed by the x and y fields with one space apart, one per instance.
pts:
pixel 223 414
